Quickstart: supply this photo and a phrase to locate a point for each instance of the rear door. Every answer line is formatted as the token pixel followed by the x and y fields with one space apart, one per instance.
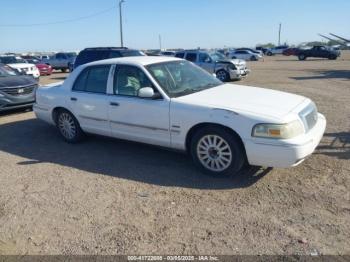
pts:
pixel 88 99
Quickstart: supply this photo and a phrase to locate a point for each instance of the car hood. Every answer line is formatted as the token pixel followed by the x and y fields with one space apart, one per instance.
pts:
pixel 16 81
pixel 246 99
pixel 21 65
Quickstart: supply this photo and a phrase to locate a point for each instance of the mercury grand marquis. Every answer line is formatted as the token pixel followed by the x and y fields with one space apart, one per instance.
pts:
pixel 170 102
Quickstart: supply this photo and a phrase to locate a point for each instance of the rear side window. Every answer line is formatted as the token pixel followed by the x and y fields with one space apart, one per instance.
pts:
pixel 180 55
pixel 93 80
pixel 192 57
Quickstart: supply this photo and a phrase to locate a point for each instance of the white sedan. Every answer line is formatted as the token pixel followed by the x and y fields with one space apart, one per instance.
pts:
pixel 245 55
pixel 173 103
pixel 21 65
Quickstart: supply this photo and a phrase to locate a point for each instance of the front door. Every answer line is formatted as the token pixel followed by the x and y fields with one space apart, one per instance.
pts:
pixel 134 118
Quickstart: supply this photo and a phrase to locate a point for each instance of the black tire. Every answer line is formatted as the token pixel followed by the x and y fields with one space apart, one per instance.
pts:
pixel 64 70
pixel 223 75
pixel 333 57
pixel 253 58
pixel 64 118
pixel 238 157
pixel 301 57
pixel 269 53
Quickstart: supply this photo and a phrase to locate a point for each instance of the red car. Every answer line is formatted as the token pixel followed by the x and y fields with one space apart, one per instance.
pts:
pixel 44 69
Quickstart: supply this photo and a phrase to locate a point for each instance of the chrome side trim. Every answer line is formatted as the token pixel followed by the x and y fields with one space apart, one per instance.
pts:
pixel 41 108
pixel 93 118
pixel 141 126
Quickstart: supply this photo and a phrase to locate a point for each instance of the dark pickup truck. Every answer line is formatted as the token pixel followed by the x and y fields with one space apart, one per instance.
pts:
pixel 319 51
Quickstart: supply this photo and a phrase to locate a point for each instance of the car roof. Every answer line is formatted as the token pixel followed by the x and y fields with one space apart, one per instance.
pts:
pixel 106 48
pixel 135 60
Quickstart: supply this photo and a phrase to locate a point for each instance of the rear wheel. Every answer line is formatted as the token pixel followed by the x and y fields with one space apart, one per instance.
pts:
pixel 269 53
pixel 216 151
pixel 253 58
pixel 302 57
pixel 223 75
pixel 69 127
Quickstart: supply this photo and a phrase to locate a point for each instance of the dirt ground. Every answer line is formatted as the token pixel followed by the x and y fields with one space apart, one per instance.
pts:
pixel 106 196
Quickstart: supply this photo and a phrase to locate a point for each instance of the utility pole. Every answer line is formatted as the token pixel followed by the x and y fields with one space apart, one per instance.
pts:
pixel 160 42
pixel 121 22
pixel 279 34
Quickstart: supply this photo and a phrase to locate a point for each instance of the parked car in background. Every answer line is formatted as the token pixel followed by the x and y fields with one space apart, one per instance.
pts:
pixel 61 61
pixel 16 90
pixel 291 51
pixel 278 50
pixel 44 69
pixel 262 49
pixel 20 65
pixel 168 53
pixel 216 63
pixel 42 57
pixel 319 52
pixel 173 103
pixel 259 52
pixel 100 53
pixel 244 54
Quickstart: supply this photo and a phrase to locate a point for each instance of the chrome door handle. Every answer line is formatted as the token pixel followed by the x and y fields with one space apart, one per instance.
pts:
pixel 74 99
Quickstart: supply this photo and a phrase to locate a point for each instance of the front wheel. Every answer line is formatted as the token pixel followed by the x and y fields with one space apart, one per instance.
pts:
pixel 218 152
pixel 223 75
pixel 269 53
pixel 253 58
pixel 69 127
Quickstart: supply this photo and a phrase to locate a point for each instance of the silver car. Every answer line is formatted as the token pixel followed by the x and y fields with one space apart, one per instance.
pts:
pixel 216 63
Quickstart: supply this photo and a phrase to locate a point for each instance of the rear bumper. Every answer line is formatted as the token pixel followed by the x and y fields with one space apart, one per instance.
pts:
pixel 286 153
pixel 43 113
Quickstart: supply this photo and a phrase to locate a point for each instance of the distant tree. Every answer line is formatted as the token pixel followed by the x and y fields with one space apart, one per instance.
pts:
pixel 268 45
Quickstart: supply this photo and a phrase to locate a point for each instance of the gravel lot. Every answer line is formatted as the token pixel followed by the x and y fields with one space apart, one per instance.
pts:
pixel 106 196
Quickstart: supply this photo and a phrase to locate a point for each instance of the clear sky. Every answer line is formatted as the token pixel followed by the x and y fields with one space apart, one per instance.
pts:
pixel 182 23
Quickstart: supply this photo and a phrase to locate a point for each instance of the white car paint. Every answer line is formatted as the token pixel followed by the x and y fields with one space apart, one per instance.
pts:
pixel 167 122
pixel 28 69
pixel 244 54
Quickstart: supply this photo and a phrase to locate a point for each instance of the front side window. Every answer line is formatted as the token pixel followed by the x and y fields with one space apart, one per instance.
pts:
pixel 128 80
pixel 93 80
pixel 179 78
pixel 204 58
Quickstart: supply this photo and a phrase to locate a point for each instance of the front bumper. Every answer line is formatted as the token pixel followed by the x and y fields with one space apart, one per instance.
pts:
pixel 7 103
pixel 285 153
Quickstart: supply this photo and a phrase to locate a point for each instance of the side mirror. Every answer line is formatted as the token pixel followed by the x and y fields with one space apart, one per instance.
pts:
pixel 146 92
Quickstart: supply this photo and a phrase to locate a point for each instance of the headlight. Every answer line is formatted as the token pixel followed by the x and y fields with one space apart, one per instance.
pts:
pixel 277 131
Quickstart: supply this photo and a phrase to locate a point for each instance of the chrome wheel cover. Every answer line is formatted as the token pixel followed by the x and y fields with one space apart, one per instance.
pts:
pixel 66 125
pixel 214 153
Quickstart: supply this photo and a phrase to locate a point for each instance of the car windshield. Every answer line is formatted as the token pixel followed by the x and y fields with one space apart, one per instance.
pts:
pixel 180 78
pixel 6 71
pixel 216 56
